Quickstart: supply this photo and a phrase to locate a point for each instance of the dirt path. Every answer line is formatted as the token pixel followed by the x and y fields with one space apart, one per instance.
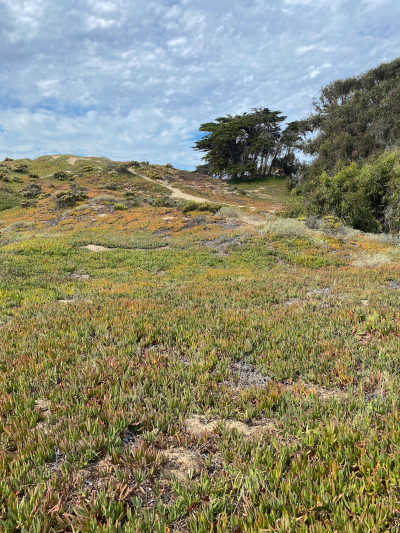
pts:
pixel 177 193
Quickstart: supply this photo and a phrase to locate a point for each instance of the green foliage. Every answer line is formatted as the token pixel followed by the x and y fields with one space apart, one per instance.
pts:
pixel 248 144
pixel 7 200
pixel 200 206
pixel 120 207
pixel 4 178
pixel 22 167
pixel 33 175
pixel 364 197
pixel 88 168
pixel 61 175
pixel 123 168
pixel 154 175
pixel 354 118
pixel 164 201
pixel 69 198
pixel 32 190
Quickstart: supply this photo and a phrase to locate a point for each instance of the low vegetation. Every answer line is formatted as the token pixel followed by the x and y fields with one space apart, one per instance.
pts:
pixel 217 369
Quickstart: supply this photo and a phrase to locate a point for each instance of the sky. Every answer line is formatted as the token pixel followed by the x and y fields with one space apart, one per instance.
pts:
pixel 133 80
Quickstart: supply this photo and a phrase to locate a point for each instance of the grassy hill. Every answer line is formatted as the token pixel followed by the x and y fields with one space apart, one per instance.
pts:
pixel 168 365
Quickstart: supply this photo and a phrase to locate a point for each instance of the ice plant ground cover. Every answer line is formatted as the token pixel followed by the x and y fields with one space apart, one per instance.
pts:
pixel 168 366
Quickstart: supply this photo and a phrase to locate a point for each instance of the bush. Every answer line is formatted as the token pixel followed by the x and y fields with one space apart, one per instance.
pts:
pixel 20 168
pixel 163 202
pixel 17 179
pixel 34 176
pixel 366 198
pixel 123 168
pixel 8 159
pixel 286 227
pixel 69 198
pixel 120 207
pixel 31 191
pixel 154 175
pixel 61 175
pixel 28 203
pixel 4 178
pixel 110 187
pixel 191 205
pixel 168 165
pixel 88 168
pixel 18 225
pixel 7 201
pixel 103 199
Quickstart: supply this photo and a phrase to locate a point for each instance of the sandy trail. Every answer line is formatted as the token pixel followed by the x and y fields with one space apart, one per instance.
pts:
pixel 177 193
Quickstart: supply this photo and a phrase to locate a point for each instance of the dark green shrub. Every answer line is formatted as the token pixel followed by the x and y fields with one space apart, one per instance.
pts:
pixel 7 201
pixel 191 205
pixel 69 198
pixel 60 175
pixel 28 203
pixel 366 197
pixel 123 168
pixel 109 186
pixel 8 159
pixel 163 202
pixel 88 168
pixel 17 179
pixel 20 168
pixel 4 178
pixel 34 176
pixel 32 190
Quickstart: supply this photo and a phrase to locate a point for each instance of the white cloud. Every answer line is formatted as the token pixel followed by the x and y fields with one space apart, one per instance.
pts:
pixel 133 80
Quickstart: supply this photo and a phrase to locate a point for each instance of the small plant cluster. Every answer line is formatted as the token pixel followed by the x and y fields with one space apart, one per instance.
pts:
pixel 32 190
pixel 120 206
pixel 34 175
pixel 123 168
pixel 62 176
pixel 22 167
pixel 164 201
pixel 4 178
pixel 200 206
pixel 69 197
pixel 154 175
pixel 88 168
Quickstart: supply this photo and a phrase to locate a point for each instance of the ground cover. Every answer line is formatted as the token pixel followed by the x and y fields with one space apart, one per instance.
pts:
pixel 164 370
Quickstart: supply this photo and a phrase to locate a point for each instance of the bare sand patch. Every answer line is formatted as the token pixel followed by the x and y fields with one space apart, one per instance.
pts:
pixel 43 406
pixel 72 160
pixel 96 248
pixel 199 424
pixel 80 276
pixel 179 462
pixel 246 376
pixel 366 260
pixel 96 470
pixel 323 392
pixel 70 300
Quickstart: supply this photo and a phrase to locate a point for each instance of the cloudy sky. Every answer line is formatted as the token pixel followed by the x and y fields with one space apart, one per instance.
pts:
pixel 133 79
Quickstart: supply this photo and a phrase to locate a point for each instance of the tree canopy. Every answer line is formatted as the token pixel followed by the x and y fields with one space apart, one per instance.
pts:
pixel 248 144
pixel 354 118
